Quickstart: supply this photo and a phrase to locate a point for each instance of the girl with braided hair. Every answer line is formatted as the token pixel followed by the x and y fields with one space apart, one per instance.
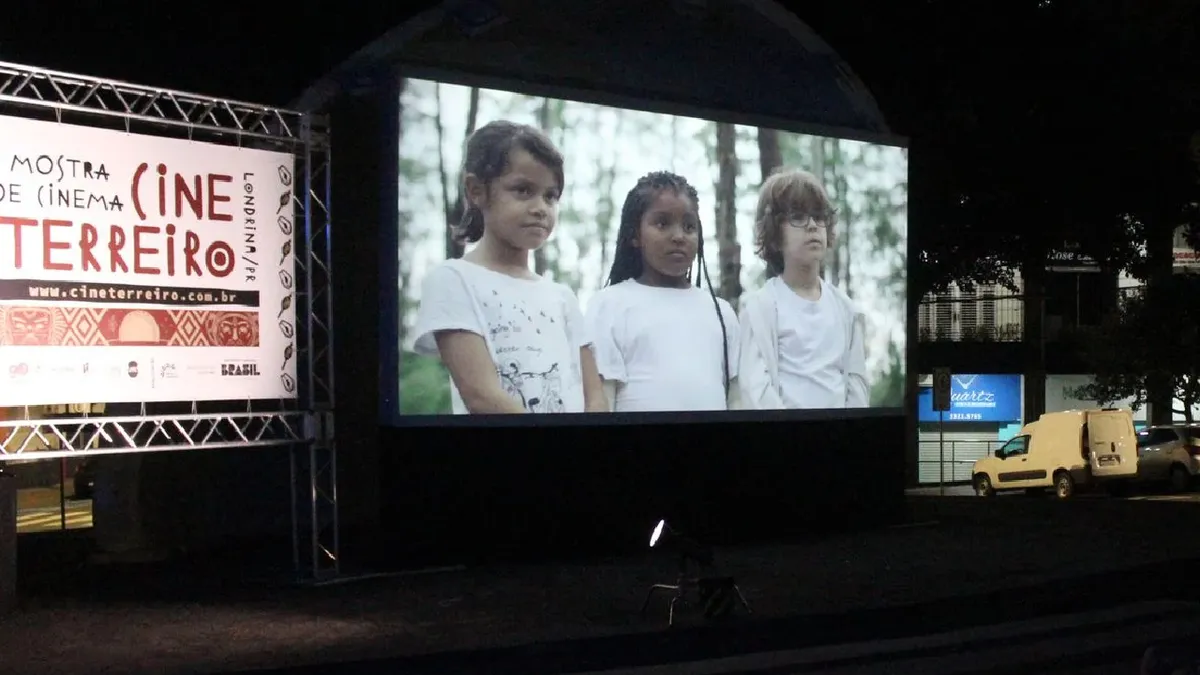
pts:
pixel 661 343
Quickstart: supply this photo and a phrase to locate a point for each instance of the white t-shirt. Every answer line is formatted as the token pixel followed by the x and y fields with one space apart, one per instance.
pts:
pixel 533 329
pixel 663 345
pixel 812 344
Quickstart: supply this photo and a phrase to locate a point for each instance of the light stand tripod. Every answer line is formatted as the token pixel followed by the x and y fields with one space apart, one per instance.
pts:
pixel 686 582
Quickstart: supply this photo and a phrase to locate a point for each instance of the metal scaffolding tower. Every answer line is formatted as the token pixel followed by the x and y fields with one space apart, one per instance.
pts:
pixel 304 426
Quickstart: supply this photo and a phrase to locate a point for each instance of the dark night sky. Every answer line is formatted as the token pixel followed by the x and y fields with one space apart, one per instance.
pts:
pixel 264 53
pixel 255 52
pixel 986 68
pixel 261 53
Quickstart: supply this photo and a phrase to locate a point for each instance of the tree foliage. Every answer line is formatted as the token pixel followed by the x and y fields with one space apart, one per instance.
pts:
pixel 1149 334
pixel 1078 137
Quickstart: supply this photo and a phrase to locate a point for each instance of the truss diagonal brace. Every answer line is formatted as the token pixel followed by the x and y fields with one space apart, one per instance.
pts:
pixel 53 438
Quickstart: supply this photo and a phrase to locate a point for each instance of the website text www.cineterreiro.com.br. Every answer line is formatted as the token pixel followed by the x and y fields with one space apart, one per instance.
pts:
pixel 141 294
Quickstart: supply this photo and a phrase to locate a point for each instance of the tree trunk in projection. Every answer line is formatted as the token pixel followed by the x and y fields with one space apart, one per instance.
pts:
pixel 829 270
pixel 770 160
pixel 404 303
pixel 728 251
pixel 608 208
pixel 541 257
pixel 770 157
pixel 455 210
pixel 450 244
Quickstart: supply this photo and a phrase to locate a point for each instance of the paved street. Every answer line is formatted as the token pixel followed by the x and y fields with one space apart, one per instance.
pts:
pixel 1105 642
pixel 1110 641
pixel 48 519
pixel 39 510
pixel 968 491
pixel 960 563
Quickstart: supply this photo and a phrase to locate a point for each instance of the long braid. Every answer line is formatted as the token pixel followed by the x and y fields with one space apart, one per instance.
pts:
pixel 720 317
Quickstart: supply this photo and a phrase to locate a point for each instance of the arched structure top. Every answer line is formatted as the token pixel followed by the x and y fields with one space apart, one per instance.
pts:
pixel 740 57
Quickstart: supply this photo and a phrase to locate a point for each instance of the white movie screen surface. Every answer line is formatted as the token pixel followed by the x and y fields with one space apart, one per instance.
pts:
pixel 558 256
pixel 140 268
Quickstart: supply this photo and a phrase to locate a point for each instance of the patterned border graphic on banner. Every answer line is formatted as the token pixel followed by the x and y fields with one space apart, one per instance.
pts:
pixel 139 268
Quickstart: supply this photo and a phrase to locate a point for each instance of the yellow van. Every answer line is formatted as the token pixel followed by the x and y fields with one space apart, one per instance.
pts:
pixel 1063 450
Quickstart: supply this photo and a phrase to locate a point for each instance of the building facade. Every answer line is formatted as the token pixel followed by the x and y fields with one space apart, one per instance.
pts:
pixel 1016 353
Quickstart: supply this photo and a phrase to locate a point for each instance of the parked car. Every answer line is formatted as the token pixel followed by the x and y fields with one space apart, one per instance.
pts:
pixel 85 479
pixel 1169 453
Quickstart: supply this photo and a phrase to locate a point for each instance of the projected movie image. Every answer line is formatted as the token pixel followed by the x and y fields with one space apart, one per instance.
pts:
pixel 566 257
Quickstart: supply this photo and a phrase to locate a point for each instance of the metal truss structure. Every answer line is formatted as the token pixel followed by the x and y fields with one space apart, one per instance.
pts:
pixel 304 426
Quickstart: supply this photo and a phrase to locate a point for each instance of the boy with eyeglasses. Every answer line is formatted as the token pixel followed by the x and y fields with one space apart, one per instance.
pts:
pixel 801 336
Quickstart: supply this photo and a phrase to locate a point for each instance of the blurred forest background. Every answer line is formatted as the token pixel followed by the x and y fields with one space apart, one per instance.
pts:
pixel 606 151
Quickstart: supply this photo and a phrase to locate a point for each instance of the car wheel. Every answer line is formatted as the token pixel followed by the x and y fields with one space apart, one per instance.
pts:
pixel 1064 485
pixel 983 486
pixel 1181 480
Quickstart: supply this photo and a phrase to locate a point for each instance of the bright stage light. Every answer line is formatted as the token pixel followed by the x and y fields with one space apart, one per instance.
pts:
pixel 658 530
pixel 665 538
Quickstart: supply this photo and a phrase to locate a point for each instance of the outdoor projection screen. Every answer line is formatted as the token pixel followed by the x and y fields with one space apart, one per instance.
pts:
pixel 802 308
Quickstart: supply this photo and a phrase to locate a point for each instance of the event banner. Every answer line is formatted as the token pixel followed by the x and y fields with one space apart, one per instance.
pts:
pixel 141 268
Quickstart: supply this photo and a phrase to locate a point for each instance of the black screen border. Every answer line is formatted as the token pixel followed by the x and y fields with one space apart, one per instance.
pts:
pixel 684 417
pixel 625 98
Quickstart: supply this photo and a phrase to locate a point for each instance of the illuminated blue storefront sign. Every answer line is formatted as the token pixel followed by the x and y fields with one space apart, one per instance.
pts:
pixel 976 398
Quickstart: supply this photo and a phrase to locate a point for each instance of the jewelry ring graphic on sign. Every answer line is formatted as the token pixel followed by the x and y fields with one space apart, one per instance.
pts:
pixel 285 279
pixel 289 382
pixel 286 329
pixel 285 224
pixel 965 381
pixel 285 176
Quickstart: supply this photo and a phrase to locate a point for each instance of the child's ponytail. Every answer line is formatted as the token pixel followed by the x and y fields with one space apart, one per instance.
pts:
pixel 470 228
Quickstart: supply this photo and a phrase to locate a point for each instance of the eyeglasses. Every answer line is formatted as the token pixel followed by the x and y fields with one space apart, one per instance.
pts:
pixel 802 220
